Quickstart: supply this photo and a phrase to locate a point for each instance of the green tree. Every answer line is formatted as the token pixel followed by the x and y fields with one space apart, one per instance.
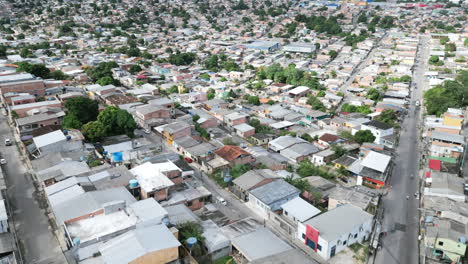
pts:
pixel 316 103
pixel 374 94
pixel 451 93
pixel 3 51
pixel 205 76
pixel 71 121
pixel 339 150
pixel 254 100
pixel 135 69
pixel 388 116
pixel 58 75
pixel 117 121
pixel 39 70
pixel 333 54
pixel 81 109
pixel 363 136
pixel 106 80
pixel 94 131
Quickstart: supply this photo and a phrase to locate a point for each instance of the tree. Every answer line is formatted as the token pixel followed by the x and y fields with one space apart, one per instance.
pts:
pixel 254 100
pixel 117 121
pixel 229 141
pixel 333 54
pixel 3 51
pixel 374 94
pixel 205 76
pixel 388 116
pixel 71 121
pixel 25 53
pixel 307 137
pixel 182 58
pixel 302 184
pixel 192 229
pixel 81 109
pixel 339 150
pixel 94 131
pixel 105 81
pixel 102 70
pixel 451 93
pixel 271 102
pixel 363 136
pixel 39 70
pixel 316 103
pixel 58 75
pixel 135 69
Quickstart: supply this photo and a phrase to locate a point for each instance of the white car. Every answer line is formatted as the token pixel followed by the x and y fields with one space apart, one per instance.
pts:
pixel 2 161
pixel 221 200
pixel 417 103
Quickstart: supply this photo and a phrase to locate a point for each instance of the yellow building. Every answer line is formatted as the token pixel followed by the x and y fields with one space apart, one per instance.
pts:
pixel 453 120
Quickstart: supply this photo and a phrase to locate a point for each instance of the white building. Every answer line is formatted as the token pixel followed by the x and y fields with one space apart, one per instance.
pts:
pixel 378 129
pixel 331 232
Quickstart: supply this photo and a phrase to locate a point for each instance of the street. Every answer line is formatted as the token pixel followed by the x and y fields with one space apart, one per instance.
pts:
pixel 37 243
pixel 401 215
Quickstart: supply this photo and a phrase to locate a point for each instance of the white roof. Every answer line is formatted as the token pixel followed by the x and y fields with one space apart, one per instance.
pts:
pixel 3 213
pixel 300 209
pixel 243 127
pixel 299 89
pixel 150 177
pixel 49 138
pixel 281 124
pixel 376 161
pixel 149 210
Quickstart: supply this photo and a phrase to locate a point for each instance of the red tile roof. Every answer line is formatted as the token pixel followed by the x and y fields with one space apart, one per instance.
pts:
pixel 329 137
pixel 230 153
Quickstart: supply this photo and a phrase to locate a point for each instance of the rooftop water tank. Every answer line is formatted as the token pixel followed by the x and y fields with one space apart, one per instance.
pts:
pixel 76 241
pixel 191 241
pixel 133 183
pixel 68 137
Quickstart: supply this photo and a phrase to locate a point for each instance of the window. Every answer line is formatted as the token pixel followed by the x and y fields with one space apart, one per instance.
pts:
pixel 286 212
pixel 189 203
pixel 303 236
pixel 344 242
pixel 319 247
pixel 355 235
pixel 441 243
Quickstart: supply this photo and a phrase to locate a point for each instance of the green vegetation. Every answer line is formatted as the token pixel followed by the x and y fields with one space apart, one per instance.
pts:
pixel 363 109
pixel 374 94
pixel 448 94
pixel 182 58
pixel 3 51
pixel 339 150
pixel 259 128
pixel 102 71
pixel 94 131
pixel 135 69
pixel 40 70
pixel 113 121
pixel 321 24
pixel 289 75
pixel 218 62
pixel 235 172
pixel 225 260
pixel 434 60
pixel 192 229
pixel 316 103
pixel 363 136
pixel 306 168
pixel 80 110
pixel 388 116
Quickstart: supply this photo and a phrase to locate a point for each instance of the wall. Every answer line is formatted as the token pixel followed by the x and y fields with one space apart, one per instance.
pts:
pixel 161 256
pixel 212 122
pixel 32 87
pixel 243 160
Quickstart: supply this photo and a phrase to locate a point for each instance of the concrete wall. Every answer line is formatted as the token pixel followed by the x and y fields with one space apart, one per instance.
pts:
pixel 32 87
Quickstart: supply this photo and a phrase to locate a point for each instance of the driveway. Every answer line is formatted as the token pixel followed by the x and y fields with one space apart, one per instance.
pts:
pixel 37 243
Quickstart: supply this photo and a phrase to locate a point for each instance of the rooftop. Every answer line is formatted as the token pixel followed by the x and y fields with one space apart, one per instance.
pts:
pixel 49 138
pixel 341 220
pixel 300 209
pixel 259 244
pixel 274 191
pixel 150 177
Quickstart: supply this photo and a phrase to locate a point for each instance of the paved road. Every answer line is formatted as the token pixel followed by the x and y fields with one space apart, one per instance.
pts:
pixel 38 244
pixel 401 215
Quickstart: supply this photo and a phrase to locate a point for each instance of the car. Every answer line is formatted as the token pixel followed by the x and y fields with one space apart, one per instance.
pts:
pixel 188 160
pixel 221 200
pixel 417 103
pixel 3 161
pixel 7 142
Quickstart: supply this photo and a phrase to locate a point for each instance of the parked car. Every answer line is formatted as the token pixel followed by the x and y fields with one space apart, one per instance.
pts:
pixel 188 160
pixel 3 161
pixel 7 142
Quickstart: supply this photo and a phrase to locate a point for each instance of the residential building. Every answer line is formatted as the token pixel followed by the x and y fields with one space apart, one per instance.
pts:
pixel 235 155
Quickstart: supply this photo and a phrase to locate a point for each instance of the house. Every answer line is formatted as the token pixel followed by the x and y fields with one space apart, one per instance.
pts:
pixel 22 83
pixel 193 198
pixel 298 210
pixel 235 118
pixel 331 232
pixel 270 197
pixel 174 131
pixel 235 155
pixel 267 46
pixel 217 244
pixel 250 180
pixel 375 167
pixel 378 129
pixel 152 182
pixel 328 139
pixel 57 141
pixel 449 250
pixel 244 130
pixel 144 245
pixel 446 144
pixel 23 109
pixel 147 116
pixel 261 139
pixel 26 125
pixel 205 120
pixel 363 199
pixel 284 142
pixel 298 152
pixel 323 157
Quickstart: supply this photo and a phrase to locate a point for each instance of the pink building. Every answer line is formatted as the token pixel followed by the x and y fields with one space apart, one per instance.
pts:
pixel 21 110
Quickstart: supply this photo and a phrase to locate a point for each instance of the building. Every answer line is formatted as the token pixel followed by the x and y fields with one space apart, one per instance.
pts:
pixel 146 116
pixel 267 46
pixel 144 245
pixel 153 183
pixel 235 155
pixel 331 232
pixel 22 110
pixel 300 47
pixel 175 131
pixel 57 141
pixel 271 196
pixel 250 180
pixel 27 125
pixel 217 244
pixel 378 129
pixel 244 130
pixel 261 139
pixel 22 83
